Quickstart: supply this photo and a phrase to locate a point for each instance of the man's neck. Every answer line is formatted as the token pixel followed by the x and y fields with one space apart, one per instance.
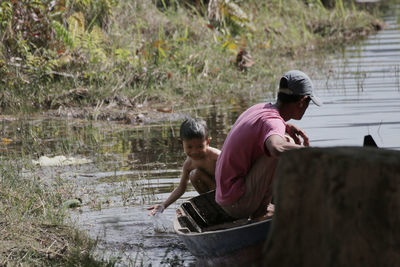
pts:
pixel 283 110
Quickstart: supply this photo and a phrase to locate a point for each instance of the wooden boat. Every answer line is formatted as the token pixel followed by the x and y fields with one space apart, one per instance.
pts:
pixel 209 233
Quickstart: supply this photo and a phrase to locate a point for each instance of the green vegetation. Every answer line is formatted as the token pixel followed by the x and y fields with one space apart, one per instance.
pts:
pixel 96 53
pixel 32 227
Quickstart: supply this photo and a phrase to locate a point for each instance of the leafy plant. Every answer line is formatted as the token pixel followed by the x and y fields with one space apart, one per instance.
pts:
pixel 42 37
pixel 229 17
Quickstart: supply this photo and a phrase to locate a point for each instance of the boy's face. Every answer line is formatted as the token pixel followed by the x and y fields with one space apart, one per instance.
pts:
pixel 196 148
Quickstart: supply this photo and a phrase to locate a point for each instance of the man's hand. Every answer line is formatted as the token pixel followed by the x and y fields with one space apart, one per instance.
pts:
pixel 295 132
pixel 158 208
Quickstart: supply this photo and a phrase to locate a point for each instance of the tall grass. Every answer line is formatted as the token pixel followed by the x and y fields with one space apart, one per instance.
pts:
pixel 169 52
pixel 33 226
pixel 32 223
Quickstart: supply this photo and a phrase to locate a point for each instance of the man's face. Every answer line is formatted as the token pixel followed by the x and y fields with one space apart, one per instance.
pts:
pixel 195 148
pixel 302 107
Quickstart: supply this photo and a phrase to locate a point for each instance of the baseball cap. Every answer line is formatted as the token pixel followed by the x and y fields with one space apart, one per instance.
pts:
pixel 296 82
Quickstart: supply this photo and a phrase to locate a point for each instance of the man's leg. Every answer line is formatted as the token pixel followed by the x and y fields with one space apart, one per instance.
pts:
pixel 201 181
pixel 266 208
pixel 267 205
pixel 258 194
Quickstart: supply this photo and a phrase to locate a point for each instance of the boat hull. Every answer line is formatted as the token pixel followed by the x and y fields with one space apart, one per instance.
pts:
pixel 225 242
pixel 210 233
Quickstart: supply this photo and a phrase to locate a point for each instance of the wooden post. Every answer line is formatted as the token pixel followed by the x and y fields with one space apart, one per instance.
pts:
pixel 336 207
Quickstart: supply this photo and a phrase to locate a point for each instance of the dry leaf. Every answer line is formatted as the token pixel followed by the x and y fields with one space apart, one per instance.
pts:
pixel 244 60
pixel 6 141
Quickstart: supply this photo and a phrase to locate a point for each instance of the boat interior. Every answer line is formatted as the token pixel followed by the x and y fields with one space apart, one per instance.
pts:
pixel 202 213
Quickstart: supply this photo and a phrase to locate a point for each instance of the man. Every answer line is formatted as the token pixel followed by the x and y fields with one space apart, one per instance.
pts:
pixel 246 165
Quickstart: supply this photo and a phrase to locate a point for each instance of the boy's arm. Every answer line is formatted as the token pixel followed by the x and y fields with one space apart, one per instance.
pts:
pixel 177 192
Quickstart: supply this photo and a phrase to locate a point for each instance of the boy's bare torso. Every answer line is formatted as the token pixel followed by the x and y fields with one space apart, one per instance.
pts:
pixel 206 163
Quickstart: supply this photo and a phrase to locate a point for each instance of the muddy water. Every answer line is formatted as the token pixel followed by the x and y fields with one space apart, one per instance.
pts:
pixel 134 167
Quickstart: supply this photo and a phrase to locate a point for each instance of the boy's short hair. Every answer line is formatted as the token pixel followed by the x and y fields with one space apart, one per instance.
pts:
pixel 193 128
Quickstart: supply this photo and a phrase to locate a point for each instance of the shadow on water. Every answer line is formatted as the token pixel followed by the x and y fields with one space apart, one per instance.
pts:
pixel 134 167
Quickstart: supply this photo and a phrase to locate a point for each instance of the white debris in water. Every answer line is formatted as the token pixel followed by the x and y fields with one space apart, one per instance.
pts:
pixel 60 161
pixel 161 223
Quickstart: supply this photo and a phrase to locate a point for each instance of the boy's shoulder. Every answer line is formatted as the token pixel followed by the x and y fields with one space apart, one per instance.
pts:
pixel 188 164
pixel 214 151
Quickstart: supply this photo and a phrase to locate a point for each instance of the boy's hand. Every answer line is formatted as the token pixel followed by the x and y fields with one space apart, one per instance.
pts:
pixel 158 208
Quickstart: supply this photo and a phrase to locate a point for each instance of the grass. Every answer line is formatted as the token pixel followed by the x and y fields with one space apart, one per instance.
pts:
pixel 164 52
pixel 33 228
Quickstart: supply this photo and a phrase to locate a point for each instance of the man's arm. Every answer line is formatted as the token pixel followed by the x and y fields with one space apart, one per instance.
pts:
pixel 276 144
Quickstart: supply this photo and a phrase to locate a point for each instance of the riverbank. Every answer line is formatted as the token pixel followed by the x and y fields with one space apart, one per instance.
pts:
pixel 132 56
pixel 33 226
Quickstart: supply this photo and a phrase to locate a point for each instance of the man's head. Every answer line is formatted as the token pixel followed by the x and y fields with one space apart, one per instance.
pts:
pixel 194 136
pixel 296 84
pixel 296 92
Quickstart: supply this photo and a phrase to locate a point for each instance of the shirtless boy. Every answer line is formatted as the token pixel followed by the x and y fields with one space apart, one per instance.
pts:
pixel 199 166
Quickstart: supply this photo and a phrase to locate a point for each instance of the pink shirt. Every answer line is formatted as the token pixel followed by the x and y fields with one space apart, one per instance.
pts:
pixel 242 147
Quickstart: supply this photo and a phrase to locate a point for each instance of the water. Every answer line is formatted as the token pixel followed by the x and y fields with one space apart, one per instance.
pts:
pixel 137 166
pixel 361 93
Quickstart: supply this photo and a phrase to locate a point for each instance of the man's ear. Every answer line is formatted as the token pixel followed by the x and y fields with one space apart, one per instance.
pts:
pixel 302 100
